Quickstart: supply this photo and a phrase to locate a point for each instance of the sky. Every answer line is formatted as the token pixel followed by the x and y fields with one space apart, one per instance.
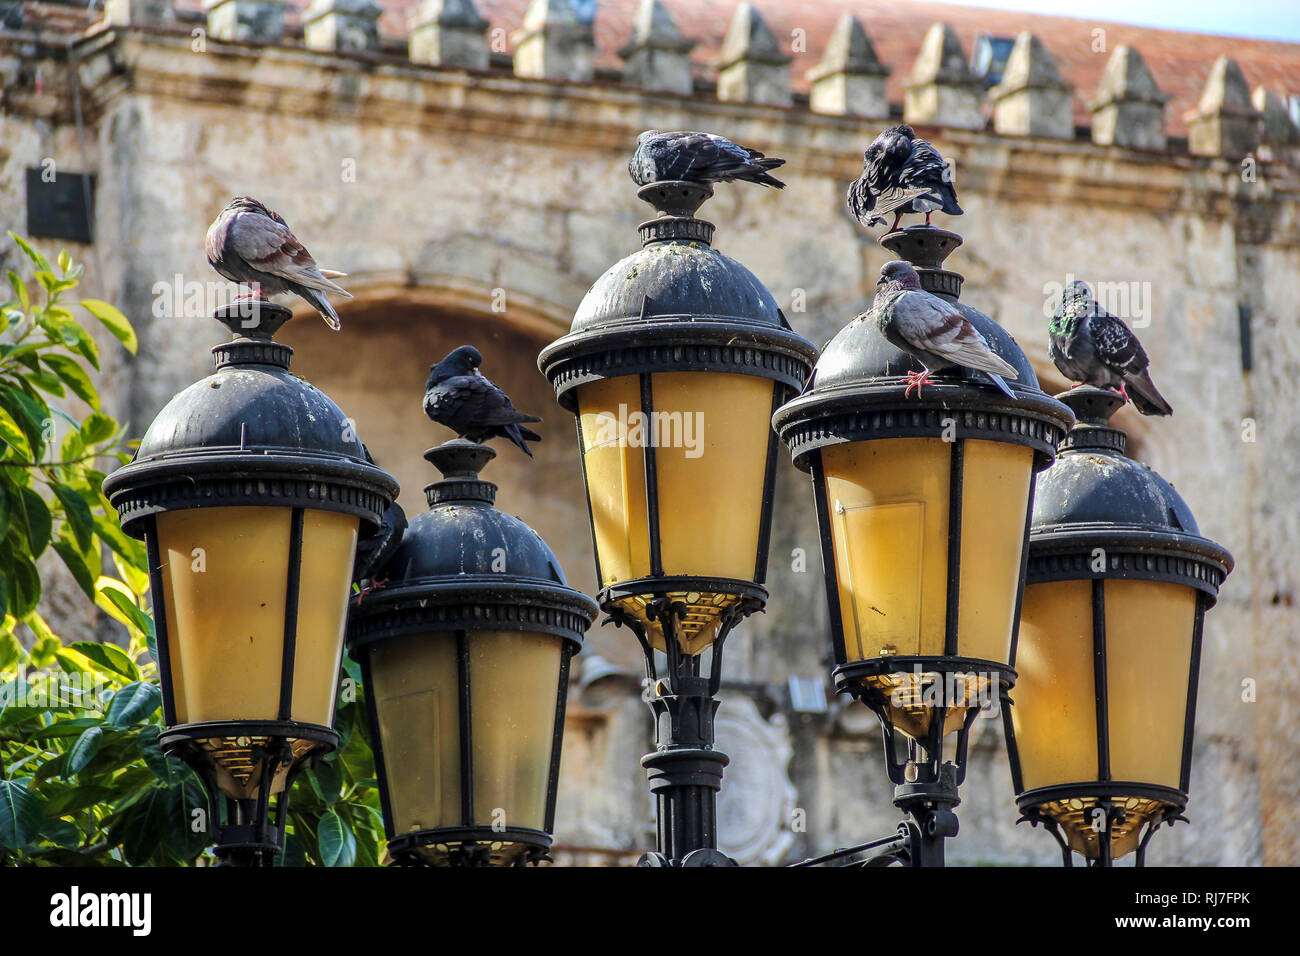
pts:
pixel 1263 19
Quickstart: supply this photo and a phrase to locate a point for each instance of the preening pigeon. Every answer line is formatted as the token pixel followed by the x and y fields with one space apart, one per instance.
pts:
pixel 375 551
pixel 249 243
pixel 901 173
pixel 931 330
pixel 1091 346
pixel 698 157
pixel 458 396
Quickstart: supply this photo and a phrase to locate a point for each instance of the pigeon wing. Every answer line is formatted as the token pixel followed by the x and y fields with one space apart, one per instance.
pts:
pixel 1117 347
pixel 930 325
pixel 268 246
pixel 484 404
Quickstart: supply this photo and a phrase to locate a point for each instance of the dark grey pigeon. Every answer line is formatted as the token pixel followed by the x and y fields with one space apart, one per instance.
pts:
pixel 249 243
pixel 1091 346
pixel 901 173
pixel 458 396
pixel 931 330
pixel 698 157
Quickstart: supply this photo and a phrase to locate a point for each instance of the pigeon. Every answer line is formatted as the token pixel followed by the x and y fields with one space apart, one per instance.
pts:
pixel 458 396
pixel 698 157
pixel 901 173
pixel 251 244
pixel 1091 346
pixel 931 330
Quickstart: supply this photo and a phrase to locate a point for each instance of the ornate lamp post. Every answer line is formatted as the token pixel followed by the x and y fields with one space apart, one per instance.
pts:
pixel 1119 580
pixel 465 655
pixel 250 489
pixel 923 504
pixel 676 360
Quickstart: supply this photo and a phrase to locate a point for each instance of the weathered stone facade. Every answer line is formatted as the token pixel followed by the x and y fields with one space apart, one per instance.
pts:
pixel 471 204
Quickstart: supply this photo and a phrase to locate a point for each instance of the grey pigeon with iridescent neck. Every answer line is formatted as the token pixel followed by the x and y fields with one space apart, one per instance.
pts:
pixel 698 157
pixel 931 330
pixel 1093 347
pixel 459 397
pixel 250 243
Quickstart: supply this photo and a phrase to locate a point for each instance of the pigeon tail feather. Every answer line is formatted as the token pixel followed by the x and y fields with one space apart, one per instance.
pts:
pixel 1144 395
pixel 321 303
pixel 997 380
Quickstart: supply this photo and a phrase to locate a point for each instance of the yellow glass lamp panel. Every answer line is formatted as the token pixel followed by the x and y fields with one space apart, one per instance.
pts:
pixel 615 479
pixel 224 572
pixel 1055 711
pixel 888 502
pixel 329 545
pixel 1148 658
pixel 225 577
pixel 995 502
pixel 514 678
pixel 415 680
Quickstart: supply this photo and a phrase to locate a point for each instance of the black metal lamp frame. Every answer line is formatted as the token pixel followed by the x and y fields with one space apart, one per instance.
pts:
pixel 685 772
pixel 459 605
pixel 222 475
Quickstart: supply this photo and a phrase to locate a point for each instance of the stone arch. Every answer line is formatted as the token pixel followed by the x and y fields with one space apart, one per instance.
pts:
pixel 376 367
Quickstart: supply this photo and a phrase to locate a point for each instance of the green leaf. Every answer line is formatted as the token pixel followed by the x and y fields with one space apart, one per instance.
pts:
pixel 62 833
pixel 109 656
pixel 47 383
pixel 21 815
pixel 114 321
pixel 78 514
pixel 327 780
pixel 20 290
pixel 154 758
pixel 44 652
pixel 138 619
pixel 14 437
pixel 74 376
pixel 72 557
pixel 133 703
pixel 97 428
pixel 40 261
pixel 338 844
pixel 64 260
pixel 11 652
pixel 24 586
pixel 83 751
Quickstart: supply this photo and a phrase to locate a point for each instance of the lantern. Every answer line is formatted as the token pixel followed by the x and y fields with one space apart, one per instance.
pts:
pixel 250 489
pixel 1118 583
pixel 465 657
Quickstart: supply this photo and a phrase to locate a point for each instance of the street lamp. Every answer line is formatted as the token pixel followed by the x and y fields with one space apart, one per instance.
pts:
pixel 465 658
pixel 923 506
pixel 249 489
pixel 676 360
pixel 1118 583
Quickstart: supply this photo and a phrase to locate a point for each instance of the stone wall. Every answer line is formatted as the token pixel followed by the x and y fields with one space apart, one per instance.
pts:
pixel 479 206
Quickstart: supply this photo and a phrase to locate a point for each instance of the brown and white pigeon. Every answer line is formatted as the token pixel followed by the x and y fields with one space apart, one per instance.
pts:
pixel 458 396
pixel 931 330
pixel 698 157
pixel 250 243
pixel 901 173
pixel 1093 347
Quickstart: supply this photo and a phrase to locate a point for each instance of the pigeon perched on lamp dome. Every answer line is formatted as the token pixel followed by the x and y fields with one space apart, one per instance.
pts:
pixel 902 173
pixel 251 244
pixel 931 330
pixel 1091 346
pixel 458 396
pixel 685 156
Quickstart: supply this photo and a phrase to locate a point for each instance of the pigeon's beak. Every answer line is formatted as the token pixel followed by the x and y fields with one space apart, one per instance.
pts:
pixel 881 280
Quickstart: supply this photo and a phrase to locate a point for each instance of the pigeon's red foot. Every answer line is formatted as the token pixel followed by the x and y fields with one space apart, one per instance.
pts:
pixel 1075 385
pixel 1124 392
pixel 376 584
pixel 915 380
pixel 927 217
pixel 897 218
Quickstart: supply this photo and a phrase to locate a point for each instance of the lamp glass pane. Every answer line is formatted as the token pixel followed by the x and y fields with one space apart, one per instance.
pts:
pixel 711 433
pixel 415 680
pixel 1055 712
pixel 1148 657
pixel 995 502
pixel 889 525
pixel 514 679
pixel 224 572
pixel 329 544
